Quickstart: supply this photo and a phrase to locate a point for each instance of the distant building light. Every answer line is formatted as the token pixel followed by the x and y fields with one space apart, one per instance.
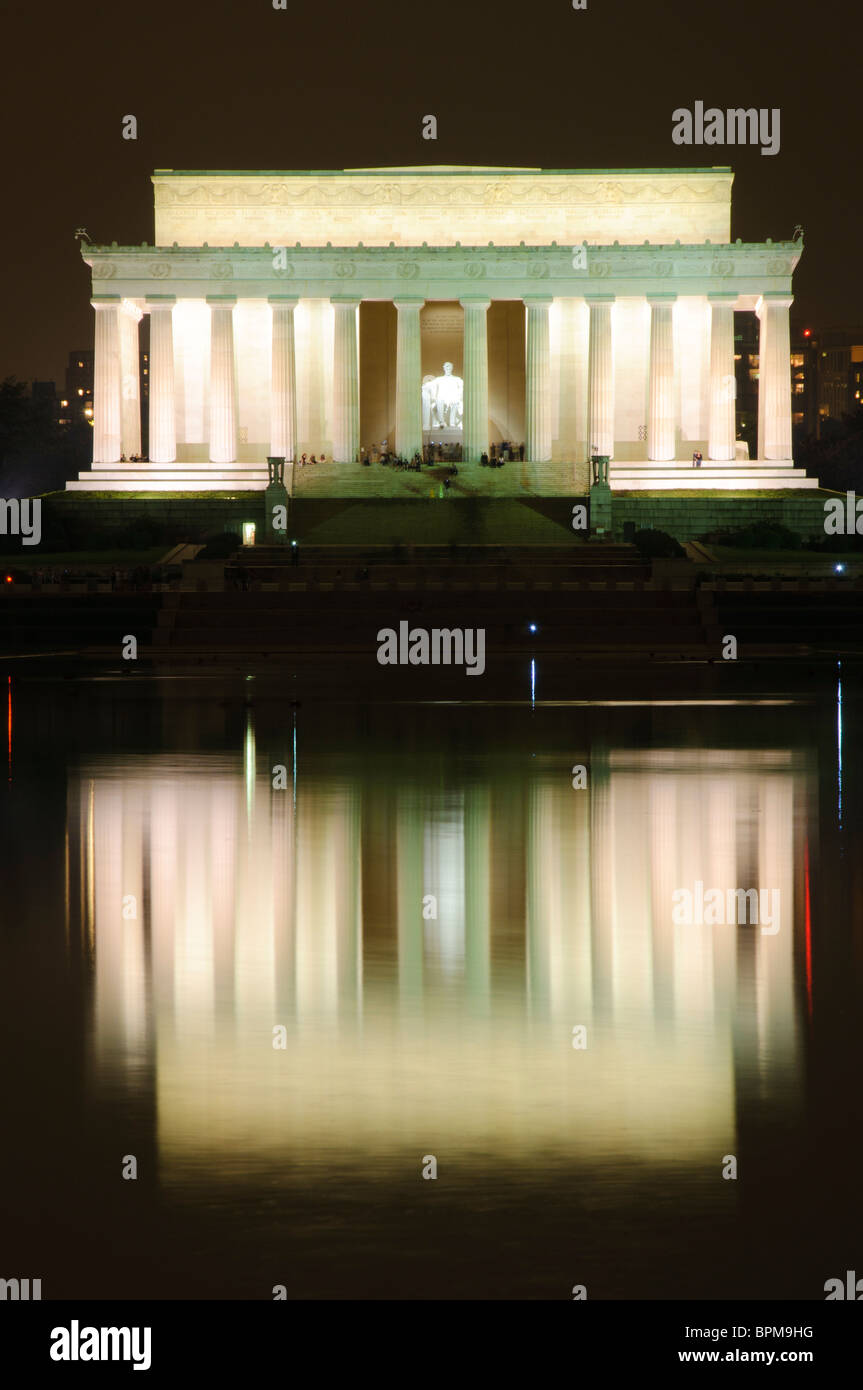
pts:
pixel 80 364
pixel 80 390
pixel 64 403
pixel 807 333
pixel 88 411
pixel 839 568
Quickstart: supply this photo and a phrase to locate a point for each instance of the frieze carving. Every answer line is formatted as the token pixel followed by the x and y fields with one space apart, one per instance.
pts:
pixel 661 269
pixel 510 192
pixel 160 270
pixel 778 267
pixel 408 270
pixel 223 271
pixel 103 270
pixel 722 267
pixel 537 270
pixel 345 269
pixel 283 272
pixel 475 269
pixel 598 269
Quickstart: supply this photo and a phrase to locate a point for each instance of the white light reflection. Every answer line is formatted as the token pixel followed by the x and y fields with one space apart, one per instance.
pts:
pixel 553 910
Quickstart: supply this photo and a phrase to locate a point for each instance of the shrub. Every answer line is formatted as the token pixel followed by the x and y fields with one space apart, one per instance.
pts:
pixel 220 546
pixel 761 535
pixel 657 545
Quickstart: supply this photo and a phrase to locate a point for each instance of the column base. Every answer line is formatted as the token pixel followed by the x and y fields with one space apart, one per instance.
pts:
pixel 600 509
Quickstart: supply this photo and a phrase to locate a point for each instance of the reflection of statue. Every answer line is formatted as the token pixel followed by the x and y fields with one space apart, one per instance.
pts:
pixel 445 397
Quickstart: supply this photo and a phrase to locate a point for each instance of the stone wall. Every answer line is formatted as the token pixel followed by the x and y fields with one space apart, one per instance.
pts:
pixel 684 518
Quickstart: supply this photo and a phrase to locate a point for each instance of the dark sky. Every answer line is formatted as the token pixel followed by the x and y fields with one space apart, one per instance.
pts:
pixel 235 84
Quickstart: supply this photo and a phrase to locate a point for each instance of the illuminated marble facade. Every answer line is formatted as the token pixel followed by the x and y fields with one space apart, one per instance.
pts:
pixel 624 282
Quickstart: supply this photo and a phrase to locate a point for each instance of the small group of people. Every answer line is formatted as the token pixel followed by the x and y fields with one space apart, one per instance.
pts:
pixel 414 465
pixel 493 462
pixel 697 458
pixel 134 458
pixel 304 460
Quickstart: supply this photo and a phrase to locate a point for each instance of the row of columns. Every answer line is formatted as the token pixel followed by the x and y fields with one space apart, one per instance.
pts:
pixel 117 421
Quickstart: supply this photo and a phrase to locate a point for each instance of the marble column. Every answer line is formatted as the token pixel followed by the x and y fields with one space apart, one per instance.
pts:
pixel 107 382
pixel 409 415
pixel 163 433
pixel 661 405
pixel 346 381
pixel 722 432
pixel 130 373
pixel 538 381
pixel 774 377
pixel 223 390
pixel 475 437
pixel 283 390
pixel 600 377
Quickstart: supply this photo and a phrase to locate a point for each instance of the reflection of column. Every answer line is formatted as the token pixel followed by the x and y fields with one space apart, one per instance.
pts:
pixel 558 918
pixel 409 425
pixel 107 398
pixel 346 381
pixel 411 887
pixel 661 414
pixel 223 402
pixel 774 377
pixel 538 384
pixel 283 398
pixel 130 317
pixel 600 377
pixel 163 435
pixel 721 430
pixel 477 894
pixel 475 378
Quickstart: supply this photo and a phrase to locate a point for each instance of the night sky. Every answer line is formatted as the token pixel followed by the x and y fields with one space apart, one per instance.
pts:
pixel 239 85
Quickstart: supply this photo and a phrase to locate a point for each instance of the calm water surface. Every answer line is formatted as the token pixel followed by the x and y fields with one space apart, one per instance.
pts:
pixel 427 908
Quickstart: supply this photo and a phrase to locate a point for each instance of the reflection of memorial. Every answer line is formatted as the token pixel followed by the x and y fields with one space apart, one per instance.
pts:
pixel 257 908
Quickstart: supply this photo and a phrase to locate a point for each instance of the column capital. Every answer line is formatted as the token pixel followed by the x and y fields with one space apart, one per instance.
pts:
pixel 408 301
pixel 539 300
pixel 774 299
pixel 474 301
pixel 160 301
pixel 283 301
pixel 661 297
pixel 106 301
pixel 722 296
pixel 347 301
pixel 600 298
pixel 221 301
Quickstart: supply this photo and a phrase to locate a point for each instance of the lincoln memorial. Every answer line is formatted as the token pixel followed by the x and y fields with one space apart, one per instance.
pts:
pixel 570 312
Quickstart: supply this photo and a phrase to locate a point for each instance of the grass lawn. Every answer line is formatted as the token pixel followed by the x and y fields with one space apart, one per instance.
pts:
pixel 438 521
pixel 242 496
pixel 724 495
